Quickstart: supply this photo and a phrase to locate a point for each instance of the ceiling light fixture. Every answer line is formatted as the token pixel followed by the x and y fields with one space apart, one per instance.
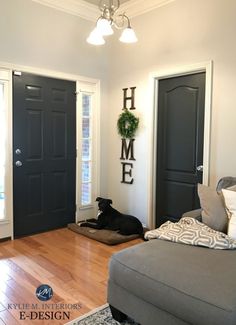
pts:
pixel 107 20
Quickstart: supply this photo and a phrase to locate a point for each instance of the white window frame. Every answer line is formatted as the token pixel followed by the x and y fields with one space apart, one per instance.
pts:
pixel 88 211
pixel 6 225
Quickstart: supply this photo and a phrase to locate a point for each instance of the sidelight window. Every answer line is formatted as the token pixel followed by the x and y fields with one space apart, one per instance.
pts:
pixel 3 122
pixel 87 154
pixel 88 149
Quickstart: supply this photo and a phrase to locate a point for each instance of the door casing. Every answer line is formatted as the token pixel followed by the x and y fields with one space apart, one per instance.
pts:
pixel 6 225
pixel 53 74
pixel 154 79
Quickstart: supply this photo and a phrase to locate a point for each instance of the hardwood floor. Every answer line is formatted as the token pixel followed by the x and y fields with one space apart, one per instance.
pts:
pixel 74 266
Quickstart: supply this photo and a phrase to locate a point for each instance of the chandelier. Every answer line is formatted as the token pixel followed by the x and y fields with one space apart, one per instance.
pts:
pixel 109 19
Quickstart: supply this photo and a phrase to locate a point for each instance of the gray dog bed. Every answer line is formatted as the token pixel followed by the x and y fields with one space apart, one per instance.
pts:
pixel 108 237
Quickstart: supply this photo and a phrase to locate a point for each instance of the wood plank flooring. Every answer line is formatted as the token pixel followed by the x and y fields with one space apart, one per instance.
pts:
pixel 74 266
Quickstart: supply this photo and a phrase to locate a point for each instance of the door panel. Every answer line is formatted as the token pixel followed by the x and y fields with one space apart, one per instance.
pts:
pixel 35 190
pixel 34 135
pixel 59 134
pixel 179 145
pixel 44 126
pixel 59 184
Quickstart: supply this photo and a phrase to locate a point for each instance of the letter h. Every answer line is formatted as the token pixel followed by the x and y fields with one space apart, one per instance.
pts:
pixel 131 98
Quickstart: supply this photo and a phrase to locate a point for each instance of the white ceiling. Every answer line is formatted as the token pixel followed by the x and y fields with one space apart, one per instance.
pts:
pixel 88 9
pixel 96 2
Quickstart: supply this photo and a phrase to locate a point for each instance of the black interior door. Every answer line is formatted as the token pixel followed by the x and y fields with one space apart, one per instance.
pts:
pixel 179 145
pixel 44 142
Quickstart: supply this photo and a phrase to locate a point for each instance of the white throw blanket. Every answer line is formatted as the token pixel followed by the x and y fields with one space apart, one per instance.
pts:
pixel 192 232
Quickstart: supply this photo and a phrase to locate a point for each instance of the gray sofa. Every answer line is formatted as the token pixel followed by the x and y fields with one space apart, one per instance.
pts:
pixel 164 283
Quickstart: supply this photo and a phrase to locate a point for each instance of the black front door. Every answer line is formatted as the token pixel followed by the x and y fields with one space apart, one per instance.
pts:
pixel 179 145
pixel 44 157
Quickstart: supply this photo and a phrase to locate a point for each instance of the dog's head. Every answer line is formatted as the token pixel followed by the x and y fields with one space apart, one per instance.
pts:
pixel 103 204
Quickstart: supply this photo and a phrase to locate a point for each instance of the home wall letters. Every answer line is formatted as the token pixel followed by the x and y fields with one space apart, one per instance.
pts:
pixel 127 144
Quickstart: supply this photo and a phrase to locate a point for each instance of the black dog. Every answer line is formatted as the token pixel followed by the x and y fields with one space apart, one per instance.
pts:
pixel 111 219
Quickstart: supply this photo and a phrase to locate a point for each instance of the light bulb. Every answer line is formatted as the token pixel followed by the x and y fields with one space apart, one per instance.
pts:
pixel 95 38
pixel 128 36
pixel 104 27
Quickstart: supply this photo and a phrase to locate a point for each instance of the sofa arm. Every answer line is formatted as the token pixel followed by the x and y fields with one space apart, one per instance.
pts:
pixel 196 214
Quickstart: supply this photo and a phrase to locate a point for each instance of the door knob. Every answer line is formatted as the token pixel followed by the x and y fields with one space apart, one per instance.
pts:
pixel 18 163
pixel 18 151
pixel 200 168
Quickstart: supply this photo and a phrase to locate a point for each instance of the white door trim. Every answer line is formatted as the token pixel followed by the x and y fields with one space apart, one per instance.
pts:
pixel 6 224
pixel 9 67
pixel 154 78
pixel 47 72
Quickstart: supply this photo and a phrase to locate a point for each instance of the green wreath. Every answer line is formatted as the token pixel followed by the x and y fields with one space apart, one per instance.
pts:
pixel 127 124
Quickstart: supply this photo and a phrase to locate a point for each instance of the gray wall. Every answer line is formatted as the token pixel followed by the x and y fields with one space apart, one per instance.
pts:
pixel 181 33
pixel 42 37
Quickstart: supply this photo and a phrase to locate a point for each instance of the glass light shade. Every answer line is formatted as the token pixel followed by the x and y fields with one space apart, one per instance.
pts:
pixel 95 38
pixel 104 27
pixel 128 36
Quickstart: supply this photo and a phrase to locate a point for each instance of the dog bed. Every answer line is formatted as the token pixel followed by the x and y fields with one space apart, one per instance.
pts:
pixel 105 236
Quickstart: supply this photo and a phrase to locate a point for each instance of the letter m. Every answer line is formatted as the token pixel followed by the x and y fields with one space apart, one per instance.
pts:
pixel 127 149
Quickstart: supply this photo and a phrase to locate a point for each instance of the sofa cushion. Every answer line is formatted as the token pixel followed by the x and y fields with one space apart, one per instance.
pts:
pixel 196 214
pixel 213 210
pixel 194 284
